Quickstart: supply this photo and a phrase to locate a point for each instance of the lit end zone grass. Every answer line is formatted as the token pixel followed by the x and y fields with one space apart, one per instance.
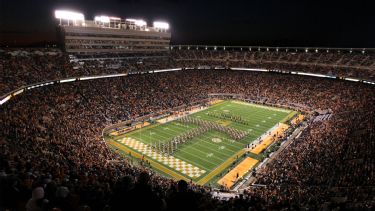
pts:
pixel 213 151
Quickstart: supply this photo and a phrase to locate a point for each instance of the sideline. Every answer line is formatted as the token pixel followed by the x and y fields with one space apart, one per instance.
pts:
pixel 220 168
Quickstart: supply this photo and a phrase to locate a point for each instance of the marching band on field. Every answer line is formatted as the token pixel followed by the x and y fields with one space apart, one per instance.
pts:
pixel 171 146
pixel 229 116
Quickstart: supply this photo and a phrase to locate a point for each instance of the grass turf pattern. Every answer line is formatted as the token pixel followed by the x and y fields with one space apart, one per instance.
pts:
pixel 209 150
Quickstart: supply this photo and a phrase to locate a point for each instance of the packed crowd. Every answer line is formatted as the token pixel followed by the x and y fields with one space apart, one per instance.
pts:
pixel 20 67
pixel 330 160
pixel 337 63
pixel 53 155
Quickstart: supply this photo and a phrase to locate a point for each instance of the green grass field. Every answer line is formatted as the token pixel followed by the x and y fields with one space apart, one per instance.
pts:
pixel 211 149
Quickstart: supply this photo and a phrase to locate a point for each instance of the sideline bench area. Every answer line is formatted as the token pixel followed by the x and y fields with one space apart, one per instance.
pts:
pixel 239 171
pixel 269 138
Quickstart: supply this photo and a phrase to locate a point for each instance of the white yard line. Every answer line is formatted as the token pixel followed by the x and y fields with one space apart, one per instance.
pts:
pixel 191 146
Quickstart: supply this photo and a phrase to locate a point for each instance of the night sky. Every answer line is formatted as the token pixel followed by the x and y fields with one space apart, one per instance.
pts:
pixel 235 22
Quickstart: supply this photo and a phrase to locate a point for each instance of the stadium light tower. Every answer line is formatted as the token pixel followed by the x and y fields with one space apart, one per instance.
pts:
pixel 163 26
pixel 138 23
pixel 131 20
pixel 69 16
pixel 102 19
pixel 107 21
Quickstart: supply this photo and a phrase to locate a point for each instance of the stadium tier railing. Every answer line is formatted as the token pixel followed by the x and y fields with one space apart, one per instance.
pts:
pixel 22 89
pixel 268 48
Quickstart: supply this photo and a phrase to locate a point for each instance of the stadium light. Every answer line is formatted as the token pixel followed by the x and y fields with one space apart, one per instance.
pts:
pixel 131 20
pixel 69 15
pixel 115 18
pixel 140 23
pixel 103 19
pixel 161 25
pixel 137 22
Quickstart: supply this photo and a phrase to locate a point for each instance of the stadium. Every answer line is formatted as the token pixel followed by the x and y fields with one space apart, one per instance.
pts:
pixel 116 117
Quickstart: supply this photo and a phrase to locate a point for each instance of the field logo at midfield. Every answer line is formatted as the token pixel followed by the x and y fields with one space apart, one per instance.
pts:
pixel 216 140
pixel 170 161
pixel 223 122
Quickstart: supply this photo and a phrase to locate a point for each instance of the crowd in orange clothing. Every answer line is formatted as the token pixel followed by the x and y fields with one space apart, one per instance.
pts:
pixel 344 63
pixel 20 67
pixel 53 155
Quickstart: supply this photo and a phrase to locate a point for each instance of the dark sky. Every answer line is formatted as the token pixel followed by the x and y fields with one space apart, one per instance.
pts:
pixel 236 22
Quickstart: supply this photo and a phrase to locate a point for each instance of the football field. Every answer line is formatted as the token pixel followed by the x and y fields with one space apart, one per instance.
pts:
pixel 205 155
